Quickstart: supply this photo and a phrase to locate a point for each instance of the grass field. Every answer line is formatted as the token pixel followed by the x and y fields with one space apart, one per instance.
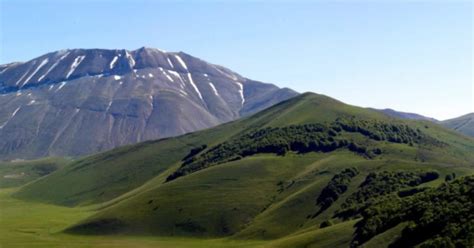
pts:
pixel 29 224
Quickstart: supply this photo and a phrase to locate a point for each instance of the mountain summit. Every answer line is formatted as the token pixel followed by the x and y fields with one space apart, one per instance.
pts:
pixel 81 101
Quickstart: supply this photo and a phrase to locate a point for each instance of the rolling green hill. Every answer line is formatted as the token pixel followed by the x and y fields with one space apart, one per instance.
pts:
pixel 463 124
pixel 302 173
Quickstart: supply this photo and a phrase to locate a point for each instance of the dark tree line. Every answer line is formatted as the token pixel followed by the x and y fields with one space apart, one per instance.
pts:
pixel 438 217
pixel 302 139
pixel 335 187
pixel 383 183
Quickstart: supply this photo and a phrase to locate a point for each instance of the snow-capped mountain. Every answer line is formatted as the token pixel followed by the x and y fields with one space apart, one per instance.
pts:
pixel 81 101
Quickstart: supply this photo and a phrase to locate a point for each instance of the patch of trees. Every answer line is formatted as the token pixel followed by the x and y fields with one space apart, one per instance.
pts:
pixel 380 184
pixel 301 139
pixel 325 224
pixel 381 131
pixel 45 169
pixel 439 217
pixel 450 177
pixel 412 191
pixel 188 158
pixel 335 187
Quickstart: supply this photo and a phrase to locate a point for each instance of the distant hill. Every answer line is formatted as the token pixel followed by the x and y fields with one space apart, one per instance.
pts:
pixel 463 124
pixel 310 171
pixel 406 115
pixel 19 172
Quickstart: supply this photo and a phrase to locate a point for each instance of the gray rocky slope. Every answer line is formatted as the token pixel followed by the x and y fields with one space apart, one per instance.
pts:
pixel 81 101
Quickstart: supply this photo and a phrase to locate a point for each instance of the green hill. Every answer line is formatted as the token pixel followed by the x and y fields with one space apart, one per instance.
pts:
pixel 17 173
pixel 300 173
pixel 463 124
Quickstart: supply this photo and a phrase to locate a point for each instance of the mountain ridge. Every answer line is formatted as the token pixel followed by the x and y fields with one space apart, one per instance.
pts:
pixel 463 124
pixel 51 102
pixel 406 115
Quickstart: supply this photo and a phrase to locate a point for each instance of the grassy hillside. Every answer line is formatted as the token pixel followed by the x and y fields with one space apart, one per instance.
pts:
pixel 463 124
pixel 299 174
pixel 30 224
pixel 17 173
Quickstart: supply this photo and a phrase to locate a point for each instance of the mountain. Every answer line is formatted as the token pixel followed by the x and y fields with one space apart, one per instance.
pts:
pixel 463 124
pixel 310 171
pixel 406 115
pixel 81 101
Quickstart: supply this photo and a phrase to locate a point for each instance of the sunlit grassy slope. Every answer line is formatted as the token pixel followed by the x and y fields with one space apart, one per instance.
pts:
pixel 30 224
pixel 260 197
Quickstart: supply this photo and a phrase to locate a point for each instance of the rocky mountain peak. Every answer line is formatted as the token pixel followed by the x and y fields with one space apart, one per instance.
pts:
pixel 79 101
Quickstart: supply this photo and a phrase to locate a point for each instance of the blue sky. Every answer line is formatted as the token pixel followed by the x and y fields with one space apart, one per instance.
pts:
pixel 412 56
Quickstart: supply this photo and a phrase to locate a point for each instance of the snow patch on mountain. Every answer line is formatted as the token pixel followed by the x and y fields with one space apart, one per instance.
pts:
pixel 194 85
pixel 166 74
pixel 11 117
pixel 74 65
pixel 169 62
pixel 176 74
pixel 21 78
pixel 112 63
pixel 131 61
pixel 241 92
pixel 53 66
pixel 44 62
pixel 214 89
pixel 61 86
pixel 181 62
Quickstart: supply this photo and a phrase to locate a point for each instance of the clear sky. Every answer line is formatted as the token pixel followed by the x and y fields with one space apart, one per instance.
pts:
pixel 412 56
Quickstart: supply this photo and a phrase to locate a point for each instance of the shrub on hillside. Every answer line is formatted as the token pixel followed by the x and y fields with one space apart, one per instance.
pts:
pixel 382 183
pixel 439 217
pixel 303 139
pixel 335 187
